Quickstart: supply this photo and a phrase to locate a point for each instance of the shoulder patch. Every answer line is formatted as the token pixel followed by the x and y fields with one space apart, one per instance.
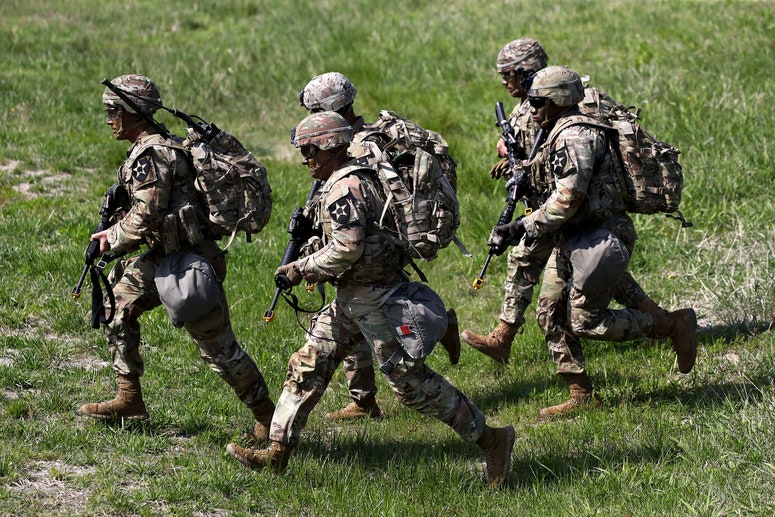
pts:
pixel 558 161
pixel 143 169
pixel 340 209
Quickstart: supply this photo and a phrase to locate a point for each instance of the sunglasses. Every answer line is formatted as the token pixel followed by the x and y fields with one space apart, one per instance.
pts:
pixel 308 151
pixel 537 102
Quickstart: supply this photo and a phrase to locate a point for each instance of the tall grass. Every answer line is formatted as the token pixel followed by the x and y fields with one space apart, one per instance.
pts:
pixel 664 444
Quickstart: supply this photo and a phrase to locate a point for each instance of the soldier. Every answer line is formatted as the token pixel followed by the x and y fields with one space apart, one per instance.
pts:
pixel 160 182
pixel 333 91
pixel 367 272
pixel 517 63
pixel 582 208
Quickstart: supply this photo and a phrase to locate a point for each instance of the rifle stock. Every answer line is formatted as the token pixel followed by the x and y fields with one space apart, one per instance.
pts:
pixel 516 186
pixel 300 231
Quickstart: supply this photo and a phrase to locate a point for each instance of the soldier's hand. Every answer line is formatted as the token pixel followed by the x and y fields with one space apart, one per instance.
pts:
pixel 500 169
pixel 504 236
pixel 287 276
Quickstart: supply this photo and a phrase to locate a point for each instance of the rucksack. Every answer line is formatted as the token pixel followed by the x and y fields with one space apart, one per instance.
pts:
pixel 651 174
pixel 422 212
pixel 407 134
pixel 232 183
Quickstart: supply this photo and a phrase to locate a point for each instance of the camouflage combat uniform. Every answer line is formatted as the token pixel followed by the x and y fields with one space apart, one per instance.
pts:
pixel 365 268
pixel 574 173
pixel 527 259
pixel 159 180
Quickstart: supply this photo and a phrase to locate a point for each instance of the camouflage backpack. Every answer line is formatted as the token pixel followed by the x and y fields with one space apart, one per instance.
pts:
pixel 232 183
pixel 406 135
pixel 422 212
pixel 652 176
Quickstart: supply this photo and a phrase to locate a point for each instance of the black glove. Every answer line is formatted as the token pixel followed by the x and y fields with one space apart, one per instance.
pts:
pixel 504 236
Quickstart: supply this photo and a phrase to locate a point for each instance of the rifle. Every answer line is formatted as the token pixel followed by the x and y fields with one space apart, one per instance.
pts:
pixel 116 197
pixel 206 130
pixel 516 186
pixel 300 230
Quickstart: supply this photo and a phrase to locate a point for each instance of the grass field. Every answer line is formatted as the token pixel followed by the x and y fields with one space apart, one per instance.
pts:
pixel 663 444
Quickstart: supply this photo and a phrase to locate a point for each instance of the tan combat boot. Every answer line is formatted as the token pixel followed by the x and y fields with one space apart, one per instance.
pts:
pixel 276 456
pixel 497 344
pixel 127 404
pixel 451 339
pixel 497 444
pixel 357 410
pixel 681 327
pixel 580 393
pixel 262 412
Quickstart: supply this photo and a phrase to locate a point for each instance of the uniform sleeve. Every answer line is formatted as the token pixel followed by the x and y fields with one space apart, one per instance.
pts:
pixel 571 163
pixel 345 207
pixel 151 183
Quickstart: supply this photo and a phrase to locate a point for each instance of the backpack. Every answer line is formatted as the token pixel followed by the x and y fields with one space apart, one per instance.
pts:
pixel 232 183
pixel 422 212
pixel 407 134
pixel 652 177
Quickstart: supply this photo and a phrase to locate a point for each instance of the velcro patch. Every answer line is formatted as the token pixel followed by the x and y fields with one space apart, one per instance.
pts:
pixel 340 210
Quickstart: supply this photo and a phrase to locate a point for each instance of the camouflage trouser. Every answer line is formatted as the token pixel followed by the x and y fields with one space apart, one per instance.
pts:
pixel 566 313
pixel 331 338
pixel 525 263
pixel 135 293
pixel 358 369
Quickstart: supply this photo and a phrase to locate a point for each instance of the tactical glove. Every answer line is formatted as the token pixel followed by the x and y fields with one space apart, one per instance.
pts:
pixel 287 276
pixel 504 236
pixel 500 169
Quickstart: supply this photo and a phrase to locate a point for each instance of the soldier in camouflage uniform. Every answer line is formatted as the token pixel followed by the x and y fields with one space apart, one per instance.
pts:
pixel 333 91
pixel 366 271
pixel 577 177
pixel 517 63
pixel 160 182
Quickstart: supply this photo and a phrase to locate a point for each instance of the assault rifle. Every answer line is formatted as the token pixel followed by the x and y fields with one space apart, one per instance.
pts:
pixel 116 198
pixel 300 229
pixel 516 186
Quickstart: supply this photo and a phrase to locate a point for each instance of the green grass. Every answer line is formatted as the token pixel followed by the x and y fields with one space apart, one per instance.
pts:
pixel 664 443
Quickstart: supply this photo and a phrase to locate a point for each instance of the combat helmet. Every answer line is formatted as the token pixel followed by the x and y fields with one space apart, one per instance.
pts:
pixel 522 55
pixel 325 130
pixel 139 88
pixel 559 84
pixel 331 91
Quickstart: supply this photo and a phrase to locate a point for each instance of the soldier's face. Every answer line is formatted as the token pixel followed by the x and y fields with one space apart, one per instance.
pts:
pixel 115 119
pixel 317 161
pixel 543 111
pixel 512 81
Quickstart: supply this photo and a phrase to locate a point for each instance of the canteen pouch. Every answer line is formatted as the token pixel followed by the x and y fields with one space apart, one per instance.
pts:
pixel 187 286
pixel 599 259
pixel 418 318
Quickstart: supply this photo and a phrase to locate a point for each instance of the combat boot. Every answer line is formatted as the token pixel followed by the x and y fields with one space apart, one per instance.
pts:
pixel 262 413
pixel 355 410
pixel 276 456
pixel 651 307
pixel 681 327
pixel 497 444
pixel 581 397
pixel 496 344
pixel 451 339
pixel 127 404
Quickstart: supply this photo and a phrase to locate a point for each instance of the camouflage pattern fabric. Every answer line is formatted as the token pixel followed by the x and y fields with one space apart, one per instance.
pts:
pixel 365 269
pixel 574 168
pixel 358 369
pixel 159 181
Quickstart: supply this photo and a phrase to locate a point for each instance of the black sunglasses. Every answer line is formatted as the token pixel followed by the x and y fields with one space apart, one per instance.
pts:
pixel 308 151
pixel 537 102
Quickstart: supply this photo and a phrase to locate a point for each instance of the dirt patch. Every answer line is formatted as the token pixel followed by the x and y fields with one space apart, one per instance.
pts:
pixel 37 182
pixel 54 488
